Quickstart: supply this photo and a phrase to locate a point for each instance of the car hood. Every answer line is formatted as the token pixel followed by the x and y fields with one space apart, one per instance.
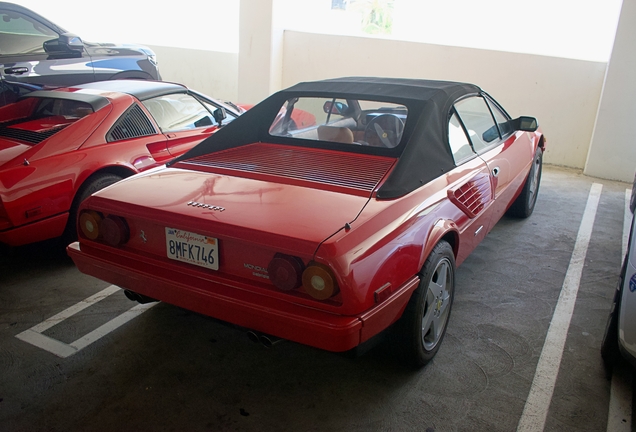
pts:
pixel 233 206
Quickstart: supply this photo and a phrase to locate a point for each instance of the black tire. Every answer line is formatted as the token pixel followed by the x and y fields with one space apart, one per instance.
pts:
pixel 523 206
pixel 93 184
pixel 423 325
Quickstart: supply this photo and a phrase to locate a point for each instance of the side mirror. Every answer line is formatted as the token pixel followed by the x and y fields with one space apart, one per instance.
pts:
pixel 66 44
pixel 526 124
pixel 335 108
pixel 219 115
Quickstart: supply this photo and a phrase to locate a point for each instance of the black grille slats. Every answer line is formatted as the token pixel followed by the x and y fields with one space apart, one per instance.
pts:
pixel 133 124
pixel 348 170
pixel 28 136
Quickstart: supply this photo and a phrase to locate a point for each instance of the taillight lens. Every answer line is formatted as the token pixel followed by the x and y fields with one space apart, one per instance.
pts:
pixel 319 282
pixel 285 272
pixel 112 230
pixel 89 222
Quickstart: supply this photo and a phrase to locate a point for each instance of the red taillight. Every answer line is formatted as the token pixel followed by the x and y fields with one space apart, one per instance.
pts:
pixel 285 272
pixel 89 222
pixel 114 230
pixel 111 229
pixel 319 282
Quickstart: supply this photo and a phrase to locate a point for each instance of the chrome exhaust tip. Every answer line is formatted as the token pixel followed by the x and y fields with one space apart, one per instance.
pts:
pixel 139 298
pixel 269 341
pixel 251 335
pixel 266 340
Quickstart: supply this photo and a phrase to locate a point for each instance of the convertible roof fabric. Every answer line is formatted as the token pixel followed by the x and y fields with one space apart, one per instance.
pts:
pixel 423 153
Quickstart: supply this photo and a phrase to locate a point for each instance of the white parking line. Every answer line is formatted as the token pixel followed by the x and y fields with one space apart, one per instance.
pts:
pixel 35 337
pixel 619 415
pixel 535 411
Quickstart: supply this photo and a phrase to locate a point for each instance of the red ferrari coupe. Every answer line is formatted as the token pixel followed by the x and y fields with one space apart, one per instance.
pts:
pixel 325 231
pixel 59 146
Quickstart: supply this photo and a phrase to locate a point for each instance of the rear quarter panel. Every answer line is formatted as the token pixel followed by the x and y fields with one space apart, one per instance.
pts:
pixel 59 166
pixel 390 240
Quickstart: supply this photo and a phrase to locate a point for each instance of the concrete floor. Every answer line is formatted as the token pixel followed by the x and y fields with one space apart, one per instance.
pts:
pixel 172 370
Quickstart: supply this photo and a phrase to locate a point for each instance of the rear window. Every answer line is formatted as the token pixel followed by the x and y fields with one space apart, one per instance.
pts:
pixel 69 109
pixel 344 121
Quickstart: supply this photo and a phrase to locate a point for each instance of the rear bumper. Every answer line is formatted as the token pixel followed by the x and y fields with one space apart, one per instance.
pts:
pixel 236 303
pixel 37 231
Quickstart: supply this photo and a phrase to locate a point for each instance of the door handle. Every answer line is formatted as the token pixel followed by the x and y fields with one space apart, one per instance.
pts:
pixel 495 171
pixel 16 70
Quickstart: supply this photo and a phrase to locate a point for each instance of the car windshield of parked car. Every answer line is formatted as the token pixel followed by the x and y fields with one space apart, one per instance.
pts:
pixel 21 34
pixel 181 111
pixel 345 121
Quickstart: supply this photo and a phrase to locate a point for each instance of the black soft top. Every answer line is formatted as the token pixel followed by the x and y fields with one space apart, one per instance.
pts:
pixel 423 153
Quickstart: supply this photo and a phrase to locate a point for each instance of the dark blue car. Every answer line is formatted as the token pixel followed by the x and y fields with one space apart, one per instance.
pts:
pixel 36 53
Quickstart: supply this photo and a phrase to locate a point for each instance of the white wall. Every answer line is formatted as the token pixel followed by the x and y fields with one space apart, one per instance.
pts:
pixel 612 151
pixel 562 93
pixel 211 73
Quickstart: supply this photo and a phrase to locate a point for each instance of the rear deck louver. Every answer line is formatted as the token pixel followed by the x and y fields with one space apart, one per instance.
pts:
pixel 28 136
pixel 132 124
pixel 473 196
pixel 352 173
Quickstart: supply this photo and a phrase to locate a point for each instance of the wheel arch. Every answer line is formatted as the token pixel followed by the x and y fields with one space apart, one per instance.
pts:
pixel 82 186
pixel 442 230
pixel 119 170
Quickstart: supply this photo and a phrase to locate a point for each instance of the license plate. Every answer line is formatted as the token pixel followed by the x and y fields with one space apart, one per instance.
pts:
pixel 192 248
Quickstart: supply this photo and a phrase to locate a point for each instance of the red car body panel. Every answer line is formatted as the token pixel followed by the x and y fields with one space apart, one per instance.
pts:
pixel 38 182
pixel 320 205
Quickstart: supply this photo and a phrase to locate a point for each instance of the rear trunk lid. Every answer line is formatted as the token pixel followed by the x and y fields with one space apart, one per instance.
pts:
pixel 274 195
pixel 256 200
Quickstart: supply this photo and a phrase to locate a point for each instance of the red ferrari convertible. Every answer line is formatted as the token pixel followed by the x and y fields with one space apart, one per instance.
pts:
pixel 325 231
pixel 59 146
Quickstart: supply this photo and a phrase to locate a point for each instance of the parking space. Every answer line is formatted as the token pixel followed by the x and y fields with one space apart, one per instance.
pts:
pixel 76 355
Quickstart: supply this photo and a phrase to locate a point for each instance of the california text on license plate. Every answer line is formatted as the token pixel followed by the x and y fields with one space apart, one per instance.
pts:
pixel 192 248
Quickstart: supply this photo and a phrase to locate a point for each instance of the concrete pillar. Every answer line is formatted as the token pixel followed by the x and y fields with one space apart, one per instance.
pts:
pixel 612 153
pixel 260 63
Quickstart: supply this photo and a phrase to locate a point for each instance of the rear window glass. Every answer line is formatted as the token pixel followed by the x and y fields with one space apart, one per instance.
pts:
pixel 344 121
pixel 69 109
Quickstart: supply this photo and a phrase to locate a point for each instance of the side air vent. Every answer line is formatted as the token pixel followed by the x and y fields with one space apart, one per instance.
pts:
pixel 30 137
pixel 132 124
pixel 473 196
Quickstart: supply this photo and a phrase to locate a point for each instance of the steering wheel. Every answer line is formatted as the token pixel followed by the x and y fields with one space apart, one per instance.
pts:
pixel 384 130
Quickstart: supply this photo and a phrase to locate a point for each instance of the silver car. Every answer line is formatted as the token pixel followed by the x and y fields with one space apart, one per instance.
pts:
pixel 620 332
pixel 36 53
